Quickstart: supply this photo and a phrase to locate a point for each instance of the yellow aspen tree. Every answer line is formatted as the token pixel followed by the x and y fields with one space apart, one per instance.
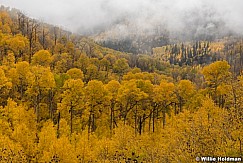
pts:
pixel 164 97
pixel 18 45
pixel 5 86
pixel 72 101
pixel 185 89
pixel 75 73
pixel 97 102
pixel 129 97
pixel 120 67
pixel 40 83
pixel 5 22
pixel 112 87
pixel 42 58
pixel 216 74
pixel 144 110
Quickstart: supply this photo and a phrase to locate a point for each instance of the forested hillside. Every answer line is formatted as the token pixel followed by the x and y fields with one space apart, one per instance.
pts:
pixel 64 98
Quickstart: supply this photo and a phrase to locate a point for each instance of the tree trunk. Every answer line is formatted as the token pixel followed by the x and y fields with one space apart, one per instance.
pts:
pixel 135 121
pixel 153 119
pixel 58 125
pixel 111 117
pixel 38 108
pixel 140 125
pixel 150 118
pixel 93 123
pixel 163 118
pixel 71 119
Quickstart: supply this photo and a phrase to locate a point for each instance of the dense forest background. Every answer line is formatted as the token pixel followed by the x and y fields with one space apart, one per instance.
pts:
pixel 65 98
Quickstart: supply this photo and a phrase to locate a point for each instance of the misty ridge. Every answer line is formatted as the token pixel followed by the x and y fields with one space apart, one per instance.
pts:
pixel 137 26
pixel 177 19
pixel 191 19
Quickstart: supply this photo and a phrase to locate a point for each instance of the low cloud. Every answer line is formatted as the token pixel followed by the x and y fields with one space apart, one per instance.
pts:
pixel 180 18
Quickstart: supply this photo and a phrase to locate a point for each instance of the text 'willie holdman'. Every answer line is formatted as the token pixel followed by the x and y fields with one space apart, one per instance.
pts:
pixel 220 159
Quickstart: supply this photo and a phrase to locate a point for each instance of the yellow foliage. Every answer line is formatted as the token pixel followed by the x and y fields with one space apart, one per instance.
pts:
pixel 75 73
pixel 5 22
pixel 78 102
pixel 42 58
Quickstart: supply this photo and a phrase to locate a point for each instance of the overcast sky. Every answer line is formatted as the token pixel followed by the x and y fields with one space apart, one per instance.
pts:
pixel 83 15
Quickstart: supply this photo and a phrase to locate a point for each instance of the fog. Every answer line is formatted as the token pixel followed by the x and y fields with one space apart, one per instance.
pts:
pixel 186 17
